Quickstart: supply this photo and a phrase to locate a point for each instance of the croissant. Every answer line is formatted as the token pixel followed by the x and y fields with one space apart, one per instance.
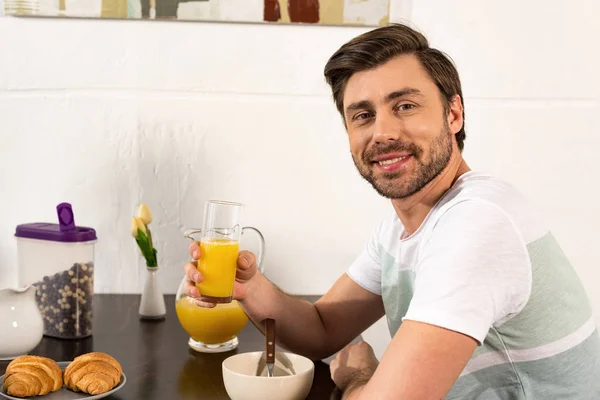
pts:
pixel 93 373
pixel 32 376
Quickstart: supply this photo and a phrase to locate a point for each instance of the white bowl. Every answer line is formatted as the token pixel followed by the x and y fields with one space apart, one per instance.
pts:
pixel 292 381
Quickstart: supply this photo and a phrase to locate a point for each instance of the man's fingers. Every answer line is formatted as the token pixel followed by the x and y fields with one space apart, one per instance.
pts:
pixel 194 250
pixel 333 367
pixel 192 272
pixel 191 290
pixel 246 260
pixel 246 266
pixel 204 304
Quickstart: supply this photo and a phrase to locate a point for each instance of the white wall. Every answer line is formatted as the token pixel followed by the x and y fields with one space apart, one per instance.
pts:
pixel 105 114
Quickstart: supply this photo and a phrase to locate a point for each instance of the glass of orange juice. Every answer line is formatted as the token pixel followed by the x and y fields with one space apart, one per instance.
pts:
pixel 219 249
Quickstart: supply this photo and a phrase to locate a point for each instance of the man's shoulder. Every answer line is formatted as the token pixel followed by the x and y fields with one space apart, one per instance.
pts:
pixel 477 185
pixel 474 188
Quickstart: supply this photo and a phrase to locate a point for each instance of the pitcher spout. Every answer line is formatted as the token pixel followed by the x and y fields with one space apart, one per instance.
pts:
pixel 26 291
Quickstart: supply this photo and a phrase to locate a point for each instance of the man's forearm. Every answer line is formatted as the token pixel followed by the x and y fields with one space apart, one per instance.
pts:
pixel 299 325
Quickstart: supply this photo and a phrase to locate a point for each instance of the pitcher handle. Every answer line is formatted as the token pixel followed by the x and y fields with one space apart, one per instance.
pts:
pixel 261 247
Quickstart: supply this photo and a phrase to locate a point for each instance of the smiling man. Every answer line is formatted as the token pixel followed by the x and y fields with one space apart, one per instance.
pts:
pixel 480 300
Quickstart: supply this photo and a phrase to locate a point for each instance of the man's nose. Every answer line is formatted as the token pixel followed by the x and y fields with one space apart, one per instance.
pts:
pixel 386 129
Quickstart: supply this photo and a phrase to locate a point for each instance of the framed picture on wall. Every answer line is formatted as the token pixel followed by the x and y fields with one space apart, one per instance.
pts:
pixel 326 12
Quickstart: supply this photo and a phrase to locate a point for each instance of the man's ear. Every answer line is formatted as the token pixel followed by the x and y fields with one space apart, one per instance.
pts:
pixel 454 116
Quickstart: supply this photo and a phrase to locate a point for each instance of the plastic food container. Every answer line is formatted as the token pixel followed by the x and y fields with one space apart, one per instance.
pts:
pixel 58 259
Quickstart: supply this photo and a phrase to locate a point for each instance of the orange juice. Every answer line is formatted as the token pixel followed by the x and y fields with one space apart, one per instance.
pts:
pixel 217 263
pixel 211 325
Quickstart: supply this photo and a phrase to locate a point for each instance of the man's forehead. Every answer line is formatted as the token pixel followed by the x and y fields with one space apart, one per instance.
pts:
pixel 402 71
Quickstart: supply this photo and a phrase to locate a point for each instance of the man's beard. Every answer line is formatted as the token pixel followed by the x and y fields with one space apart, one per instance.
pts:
pixel 425 171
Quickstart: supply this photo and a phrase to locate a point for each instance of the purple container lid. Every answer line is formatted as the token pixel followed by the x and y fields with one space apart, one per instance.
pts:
pixel 64 231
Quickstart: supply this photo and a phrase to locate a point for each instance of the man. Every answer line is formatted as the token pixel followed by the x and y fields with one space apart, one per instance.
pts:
pixel 480 300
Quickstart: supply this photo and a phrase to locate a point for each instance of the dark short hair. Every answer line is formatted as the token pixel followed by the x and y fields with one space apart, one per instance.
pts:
pixel 374 48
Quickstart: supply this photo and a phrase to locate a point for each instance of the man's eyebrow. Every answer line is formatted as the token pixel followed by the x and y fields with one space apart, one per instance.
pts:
pixel 403 92
pixel 358 106
pixel 392 96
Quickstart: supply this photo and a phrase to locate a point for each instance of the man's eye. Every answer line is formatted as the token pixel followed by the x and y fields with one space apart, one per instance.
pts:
pixel 405 107
pixel 363 115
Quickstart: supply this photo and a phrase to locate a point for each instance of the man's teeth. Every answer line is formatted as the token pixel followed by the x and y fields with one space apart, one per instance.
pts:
pixel 393 160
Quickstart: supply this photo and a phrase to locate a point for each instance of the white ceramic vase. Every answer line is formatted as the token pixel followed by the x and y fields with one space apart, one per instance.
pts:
pixel 152 303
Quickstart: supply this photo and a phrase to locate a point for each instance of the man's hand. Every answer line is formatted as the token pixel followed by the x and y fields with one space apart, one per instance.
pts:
pixel 246 270
pixel 353 367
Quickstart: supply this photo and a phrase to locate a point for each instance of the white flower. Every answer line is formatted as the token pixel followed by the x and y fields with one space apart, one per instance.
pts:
pixel 134 227
pixel 145 214
pixel 137 223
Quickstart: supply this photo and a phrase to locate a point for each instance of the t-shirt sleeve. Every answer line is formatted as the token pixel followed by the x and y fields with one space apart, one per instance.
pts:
pixel 473 272
pixel 366 270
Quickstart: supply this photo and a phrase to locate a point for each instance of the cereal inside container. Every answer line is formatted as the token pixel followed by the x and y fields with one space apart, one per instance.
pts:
pixel 58 259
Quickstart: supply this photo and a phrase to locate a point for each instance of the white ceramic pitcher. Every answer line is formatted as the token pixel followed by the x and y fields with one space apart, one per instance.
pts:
pixel 21 323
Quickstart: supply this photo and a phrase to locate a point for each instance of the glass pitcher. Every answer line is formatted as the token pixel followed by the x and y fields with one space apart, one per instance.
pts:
pixel 215 330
